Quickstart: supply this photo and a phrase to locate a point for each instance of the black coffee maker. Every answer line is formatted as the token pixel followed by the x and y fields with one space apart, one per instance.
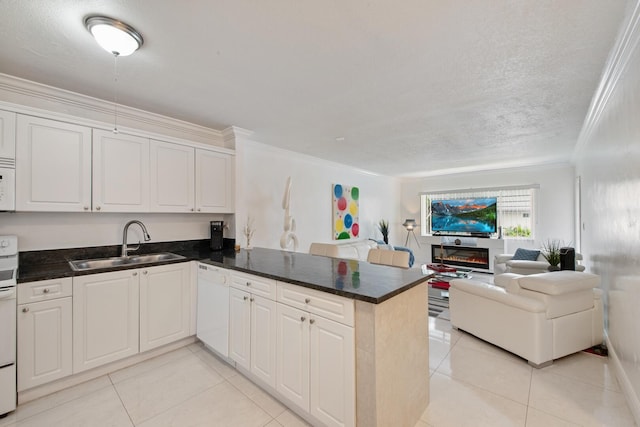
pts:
pixel 216 235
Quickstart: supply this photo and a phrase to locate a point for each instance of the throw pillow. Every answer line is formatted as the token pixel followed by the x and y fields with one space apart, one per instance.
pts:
pixel 526 254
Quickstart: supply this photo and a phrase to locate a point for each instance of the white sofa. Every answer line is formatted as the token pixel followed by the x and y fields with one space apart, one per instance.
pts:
pixel 539 317
pixel 503 263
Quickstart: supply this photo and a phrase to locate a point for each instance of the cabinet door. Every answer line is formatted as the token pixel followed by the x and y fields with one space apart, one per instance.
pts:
pixel 7 135
pixel 164 305
pixel 120 172
pixel 214 182
pixel 292 355
pixel 44 342
pixel 105 318
pixel 240 327
pixel 263 339
pixel 53 166
pixel 332 370
pixel 172 179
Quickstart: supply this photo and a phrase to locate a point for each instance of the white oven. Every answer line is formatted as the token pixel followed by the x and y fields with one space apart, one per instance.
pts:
pixel 8 273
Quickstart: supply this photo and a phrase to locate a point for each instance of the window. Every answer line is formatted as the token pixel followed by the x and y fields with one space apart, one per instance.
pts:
pixel 516 208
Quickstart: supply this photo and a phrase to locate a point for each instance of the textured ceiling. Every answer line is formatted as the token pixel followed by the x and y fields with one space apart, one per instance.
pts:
pixel 415 87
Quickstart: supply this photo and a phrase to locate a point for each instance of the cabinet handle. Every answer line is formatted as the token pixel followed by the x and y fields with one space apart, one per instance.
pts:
pixel 246 298
pixel 252 299
pixel 135 274
pixel 307 300
pixel 86 208
pixel 302 319
pixel 97 208
pixel 312 321
pixel 248 283
pixel 45 291
pixel 145 272
pixel 199 209
pixel 192 209
pixel 24 310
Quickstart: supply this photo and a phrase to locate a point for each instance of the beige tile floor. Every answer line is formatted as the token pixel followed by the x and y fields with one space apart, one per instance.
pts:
pixel 472 384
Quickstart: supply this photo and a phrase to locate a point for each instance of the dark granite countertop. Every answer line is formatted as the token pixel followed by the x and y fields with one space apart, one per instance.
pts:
pixel 348 278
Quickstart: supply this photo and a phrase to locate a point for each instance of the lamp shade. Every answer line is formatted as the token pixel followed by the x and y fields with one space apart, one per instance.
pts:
pixel 409 224
pixel 114 36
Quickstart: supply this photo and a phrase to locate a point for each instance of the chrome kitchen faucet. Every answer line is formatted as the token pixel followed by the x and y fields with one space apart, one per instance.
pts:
pixel 145 233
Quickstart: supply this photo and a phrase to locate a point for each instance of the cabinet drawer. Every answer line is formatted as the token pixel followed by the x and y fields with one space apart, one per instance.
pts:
pixel 255 284
pixel 329 306
pixel 44 290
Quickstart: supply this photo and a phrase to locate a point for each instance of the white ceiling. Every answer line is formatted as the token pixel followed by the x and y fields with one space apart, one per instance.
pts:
pixel 415 87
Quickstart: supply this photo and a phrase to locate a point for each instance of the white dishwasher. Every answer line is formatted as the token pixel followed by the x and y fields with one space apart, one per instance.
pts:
pixel 212 327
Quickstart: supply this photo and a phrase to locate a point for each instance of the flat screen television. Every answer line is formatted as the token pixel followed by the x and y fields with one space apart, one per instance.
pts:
pixel 476 216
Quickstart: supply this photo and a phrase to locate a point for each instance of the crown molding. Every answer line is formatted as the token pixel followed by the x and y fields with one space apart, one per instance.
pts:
pixel 26 92
pixel 616 65
pixel 233 133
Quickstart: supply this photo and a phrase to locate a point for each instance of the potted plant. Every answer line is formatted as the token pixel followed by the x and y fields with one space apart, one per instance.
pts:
pixel 383 226
pixel 551 252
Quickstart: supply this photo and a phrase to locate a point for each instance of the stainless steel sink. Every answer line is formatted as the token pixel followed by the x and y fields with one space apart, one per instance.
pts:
pixel 94 264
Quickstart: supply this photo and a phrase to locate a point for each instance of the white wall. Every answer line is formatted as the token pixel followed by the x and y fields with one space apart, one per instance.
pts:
pixel 555 213
pixel 607 160
pixel 262 173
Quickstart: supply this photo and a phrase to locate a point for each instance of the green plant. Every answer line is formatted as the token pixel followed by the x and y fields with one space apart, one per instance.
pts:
pixel 551 251
pixel 383 226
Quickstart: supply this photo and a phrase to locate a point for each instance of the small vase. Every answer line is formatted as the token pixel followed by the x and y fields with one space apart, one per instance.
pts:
pixel 553 268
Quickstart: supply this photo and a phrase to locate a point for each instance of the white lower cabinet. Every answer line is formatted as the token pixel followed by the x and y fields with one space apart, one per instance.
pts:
pixel 316 359
pixel 252 329
pixel 165 300
pixel 44 332
pixel 105 318
pixel 118 314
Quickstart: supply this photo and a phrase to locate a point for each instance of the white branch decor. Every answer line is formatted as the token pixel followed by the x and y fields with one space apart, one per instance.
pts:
pixel 289 235
pixel 248 231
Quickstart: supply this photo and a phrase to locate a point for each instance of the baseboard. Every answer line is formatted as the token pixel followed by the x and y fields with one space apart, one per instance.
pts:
pixel 625 383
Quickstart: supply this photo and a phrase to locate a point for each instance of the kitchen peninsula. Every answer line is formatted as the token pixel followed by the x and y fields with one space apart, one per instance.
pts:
pixel 374 369
pixel 391 325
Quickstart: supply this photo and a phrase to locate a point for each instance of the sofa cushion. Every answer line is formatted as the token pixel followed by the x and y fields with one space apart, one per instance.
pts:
pixel 526 254
pixel 563 292
pixel 496 293
pixel 509 281
pixel 559 282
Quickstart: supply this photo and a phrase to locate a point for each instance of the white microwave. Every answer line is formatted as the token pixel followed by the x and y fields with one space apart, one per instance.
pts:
pixel 7 189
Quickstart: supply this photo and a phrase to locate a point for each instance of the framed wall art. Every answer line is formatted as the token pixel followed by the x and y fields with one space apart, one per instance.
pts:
pixel 346 212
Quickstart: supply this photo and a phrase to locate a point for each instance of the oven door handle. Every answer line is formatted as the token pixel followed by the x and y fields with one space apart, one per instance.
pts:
pixel 7 293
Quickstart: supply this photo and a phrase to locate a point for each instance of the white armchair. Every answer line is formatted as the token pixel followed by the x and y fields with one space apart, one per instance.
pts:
pixel 540 317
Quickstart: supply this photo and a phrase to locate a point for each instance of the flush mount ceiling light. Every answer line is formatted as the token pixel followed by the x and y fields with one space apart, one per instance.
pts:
pixel 114 36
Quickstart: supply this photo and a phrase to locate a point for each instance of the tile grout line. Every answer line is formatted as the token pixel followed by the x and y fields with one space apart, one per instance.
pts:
pixel 121 401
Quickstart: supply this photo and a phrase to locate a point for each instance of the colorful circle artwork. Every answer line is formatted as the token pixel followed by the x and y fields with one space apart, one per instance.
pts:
pixel 346 212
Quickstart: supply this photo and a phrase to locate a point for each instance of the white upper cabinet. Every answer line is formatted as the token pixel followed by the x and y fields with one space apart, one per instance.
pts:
pixel 7 135
pixel 214 182
pixel 120 172
pixel 65 167
pixel 53 166
pixel 172 177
